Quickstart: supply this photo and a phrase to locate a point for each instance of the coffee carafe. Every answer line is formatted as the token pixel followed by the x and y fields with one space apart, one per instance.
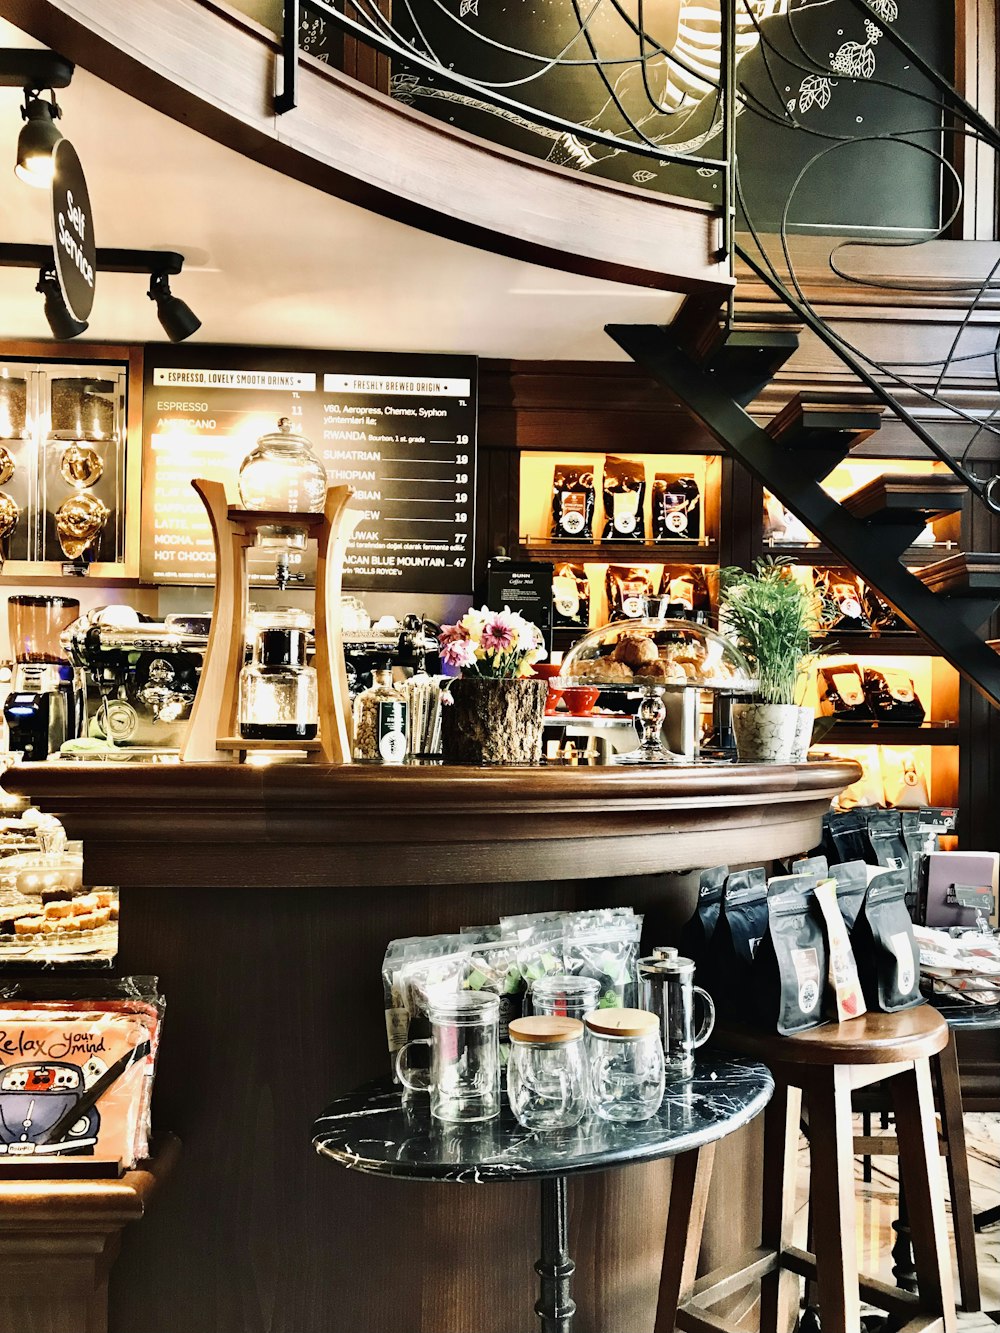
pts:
pixel 46 704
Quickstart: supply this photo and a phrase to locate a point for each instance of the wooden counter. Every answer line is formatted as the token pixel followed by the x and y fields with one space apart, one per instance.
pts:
pixel 274 1006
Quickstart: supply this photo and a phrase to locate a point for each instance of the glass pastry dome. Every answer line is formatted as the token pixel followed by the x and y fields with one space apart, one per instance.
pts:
pixel 654 657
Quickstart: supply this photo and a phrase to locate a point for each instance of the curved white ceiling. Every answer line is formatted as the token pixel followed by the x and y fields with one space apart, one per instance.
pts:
pixel 275 262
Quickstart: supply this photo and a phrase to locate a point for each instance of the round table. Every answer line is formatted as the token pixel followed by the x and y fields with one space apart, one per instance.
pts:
pixel 380 1130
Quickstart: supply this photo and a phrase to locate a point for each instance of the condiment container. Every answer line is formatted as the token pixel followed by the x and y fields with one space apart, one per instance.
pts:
pixel 567 996
pixel 547 1072
pixel 381 720
pixel 625 1059
pixel 464 1074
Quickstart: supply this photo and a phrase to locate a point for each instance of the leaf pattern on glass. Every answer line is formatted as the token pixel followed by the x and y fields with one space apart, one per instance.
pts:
pixel 854 60
pixel 814 90
pixel 468 7
pixel 887 10
pixel 641 177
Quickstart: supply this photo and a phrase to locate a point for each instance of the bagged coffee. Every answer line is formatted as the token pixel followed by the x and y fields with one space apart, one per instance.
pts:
pixel 816 864
pixel 845 837
pixel 892 697
pixel 631 589
pixel 887 849
pixel 791 966
pixel 570 596
pixel 884 947
pixel 904 779
pixel 676 508
pixel 740 927
pixel 851 879
pixel 870 787
pixel 842 998
pixel 624 493
pixel 684 592
pixel 696 934
pixel 843 600
pixel 572 502
pixel 882 616
pixel 842 692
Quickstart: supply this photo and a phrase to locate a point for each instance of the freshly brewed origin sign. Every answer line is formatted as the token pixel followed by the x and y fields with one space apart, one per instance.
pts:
pixel 73 241
pixel 400 430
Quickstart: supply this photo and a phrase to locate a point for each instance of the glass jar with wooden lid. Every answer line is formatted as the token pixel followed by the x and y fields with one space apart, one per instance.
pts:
pixel 546 1072
pixel 625 1060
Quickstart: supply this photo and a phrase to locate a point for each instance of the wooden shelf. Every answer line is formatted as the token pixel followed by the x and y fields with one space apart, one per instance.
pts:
pixel 239 743
pixel 622 553
pixel 888 733
pixel 915 557
pixel 858 643
pixel 67 581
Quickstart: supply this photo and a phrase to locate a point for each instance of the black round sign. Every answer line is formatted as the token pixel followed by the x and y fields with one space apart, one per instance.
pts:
pixel 73 232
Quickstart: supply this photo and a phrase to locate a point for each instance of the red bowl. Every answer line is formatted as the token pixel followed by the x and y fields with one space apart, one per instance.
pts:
pixel 580 699
pixel 545 670
pixel 552 699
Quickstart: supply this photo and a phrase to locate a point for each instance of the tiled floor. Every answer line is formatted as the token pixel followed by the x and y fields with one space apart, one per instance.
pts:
pixel 878 1211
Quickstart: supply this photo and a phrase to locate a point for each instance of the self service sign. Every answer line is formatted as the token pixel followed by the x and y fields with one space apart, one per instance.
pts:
pixel 73 241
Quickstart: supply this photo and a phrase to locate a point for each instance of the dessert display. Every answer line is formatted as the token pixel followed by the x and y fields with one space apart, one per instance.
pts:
pixel 672 654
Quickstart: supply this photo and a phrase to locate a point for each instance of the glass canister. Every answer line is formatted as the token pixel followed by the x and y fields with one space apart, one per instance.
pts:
pixel 464 1074
pixel 279 695
pixel 547 1072
pixel 625 1060
pixel 282 473
pixel 565 995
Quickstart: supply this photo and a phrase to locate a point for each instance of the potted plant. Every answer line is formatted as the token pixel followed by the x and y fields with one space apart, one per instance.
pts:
pixel 497 706
pixel 771 616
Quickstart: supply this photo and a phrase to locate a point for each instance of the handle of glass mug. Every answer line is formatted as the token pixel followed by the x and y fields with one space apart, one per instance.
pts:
pixel 708 1017
pixel 425 1074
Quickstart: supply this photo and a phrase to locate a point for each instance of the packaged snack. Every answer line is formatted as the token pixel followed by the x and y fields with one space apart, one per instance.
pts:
pixel 494 968
pixel 608 954
pixel 570 596
pixel 891 696
pixel 76 1073
pixel 624 492
pixel 851 879
pixel 791 966
pixel 843 998
pixel 398 954
pixel 884 947
pixel 631 588
pixel 572 502
pixel 904 779
pixel 696 934
pixel 842 692
pixel 676 508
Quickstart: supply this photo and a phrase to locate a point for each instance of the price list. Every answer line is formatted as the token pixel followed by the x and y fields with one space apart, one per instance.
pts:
pixel 399 430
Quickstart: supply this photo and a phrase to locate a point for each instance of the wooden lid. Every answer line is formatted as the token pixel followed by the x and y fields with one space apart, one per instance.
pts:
pixel 622 1022
pixel 545 1028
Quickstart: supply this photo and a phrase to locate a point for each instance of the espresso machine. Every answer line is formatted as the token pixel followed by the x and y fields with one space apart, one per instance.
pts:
pixel 46 705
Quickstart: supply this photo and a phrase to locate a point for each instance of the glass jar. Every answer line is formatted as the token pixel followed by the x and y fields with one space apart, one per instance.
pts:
pixel 567 996
pixel 279 697
pixel 625 1059
pixel 381 720
pixel 464 1073
pixel 282 473
pixel 547 1072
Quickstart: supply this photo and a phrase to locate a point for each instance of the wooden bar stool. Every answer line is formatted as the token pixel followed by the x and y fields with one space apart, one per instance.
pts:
pixel 825 1065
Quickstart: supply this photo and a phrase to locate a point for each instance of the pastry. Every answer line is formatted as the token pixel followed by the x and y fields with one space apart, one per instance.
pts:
pixel 634 650
pixel 51 911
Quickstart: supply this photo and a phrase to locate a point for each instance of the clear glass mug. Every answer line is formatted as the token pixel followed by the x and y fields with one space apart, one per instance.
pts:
pixel 565 995
pixel 667 989
pixel 464 1074
pixel 547 1072
pixel 625 1059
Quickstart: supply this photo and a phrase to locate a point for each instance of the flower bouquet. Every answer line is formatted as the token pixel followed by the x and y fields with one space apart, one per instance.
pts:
pixel 497 706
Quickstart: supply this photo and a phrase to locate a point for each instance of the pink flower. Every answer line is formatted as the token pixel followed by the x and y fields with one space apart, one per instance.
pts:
pixel 499 633
pixel 457 652
pixel 453 633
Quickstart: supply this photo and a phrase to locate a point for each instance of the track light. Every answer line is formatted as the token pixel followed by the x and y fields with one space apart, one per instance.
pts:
pixel 61 322
pixel 178 319
pixel 38 137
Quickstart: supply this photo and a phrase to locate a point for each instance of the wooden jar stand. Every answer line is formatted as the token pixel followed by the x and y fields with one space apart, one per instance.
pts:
pixel 60 1238
pixel 213 733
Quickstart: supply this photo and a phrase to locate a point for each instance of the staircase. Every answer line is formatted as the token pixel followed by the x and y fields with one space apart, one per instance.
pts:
pixel 947 602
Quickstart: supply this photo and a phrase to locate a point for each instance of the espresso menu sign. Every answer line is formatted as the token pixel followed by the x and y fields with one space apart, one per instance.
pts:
pixel 400 430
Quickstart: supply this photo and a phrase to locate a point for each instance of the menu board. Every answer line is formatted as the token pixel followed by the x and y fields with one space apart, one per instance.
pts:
pixel 399 429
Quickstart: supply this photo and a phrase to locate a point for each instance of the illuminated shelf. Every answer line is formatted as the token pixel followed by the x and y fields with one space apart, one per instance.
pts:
pixel 915 557
pixel 864 643
pixel 888 733
pixel 622 553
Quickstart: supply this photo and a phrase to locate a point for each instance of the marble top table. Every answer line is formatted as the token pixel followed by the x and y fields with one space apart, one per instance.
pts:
pixel 378 1130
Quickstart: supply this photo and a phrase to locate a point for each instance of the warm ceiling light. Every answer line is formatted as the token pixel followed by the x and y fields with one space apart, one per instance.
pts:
pixel 61 322
pixel 178 319
pixel 38 137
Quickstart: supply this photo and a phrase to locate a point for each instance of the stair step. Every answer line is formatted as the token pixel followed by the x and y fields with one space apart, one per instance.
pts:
pixel 749 359
pixel 905 499
pixel 822 428
pixel 966 574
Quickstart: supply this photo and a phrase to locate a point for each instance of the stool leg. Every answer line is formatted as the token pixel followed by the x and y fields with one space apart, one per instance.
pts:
pixel 555 1306
pixel 920 1172
pixel 953 1130
pixel 831 1150
pixel 779 1292
pixel 902 1250
pixel 689 1182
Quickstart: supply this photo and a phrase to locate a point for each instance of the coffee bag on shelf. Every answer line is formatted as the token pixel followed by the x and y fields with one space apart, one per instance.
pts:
pixel 676 508
pixel 891 696
pixel 884 947
pixel 843 998
pixel 696 935
pixel 790 971
pixel 572 502
pixel 904 779
pixel 631 590
pixel 843 599
pixel 851 879
pixel 570 597
pixel 842 692
pixel 741 926
pixel 624 493
pixel 684 592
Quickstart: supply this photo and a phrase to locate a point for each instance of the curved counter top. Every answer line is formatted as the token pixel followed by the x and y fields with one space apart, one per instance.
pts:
pixel 231 825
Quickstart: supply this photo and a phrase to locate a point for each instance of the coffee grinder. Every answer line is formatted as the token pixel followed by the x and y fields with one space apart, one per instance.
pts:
pixel 46 703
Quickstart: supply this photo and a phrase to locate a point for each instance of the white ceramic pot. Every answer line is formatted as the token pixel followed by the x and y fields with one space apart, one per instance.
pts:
pixel 765 733
pixel 803 735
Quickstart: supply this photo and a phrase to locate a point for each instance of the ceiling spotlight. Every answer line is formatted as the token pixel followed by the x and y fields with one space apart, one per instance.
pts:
pixel 61 322
pixel 38 137
pixel 178 319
